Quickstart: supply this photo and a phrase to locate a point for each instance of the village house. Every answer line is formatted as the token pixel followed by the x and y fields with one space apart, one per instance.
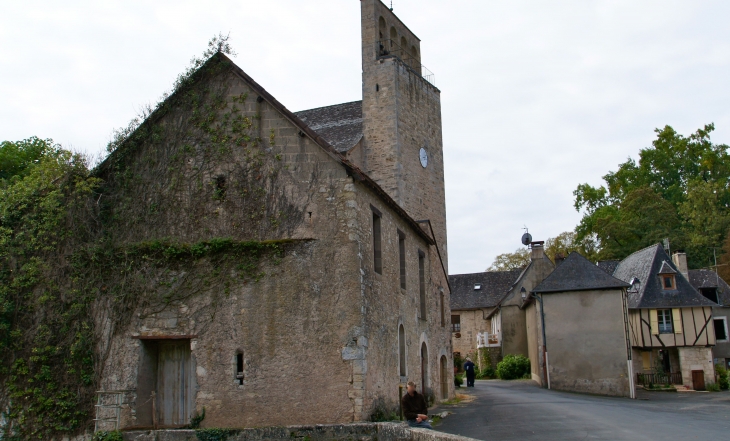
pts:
pixel 671 323
pixel 487 307
pixel 354 303
pixel 577 330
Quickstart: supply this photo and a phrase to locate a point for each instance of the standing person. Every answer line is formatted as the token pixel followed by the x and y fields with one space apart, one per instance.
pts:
pixel 415 408
pixel 470 373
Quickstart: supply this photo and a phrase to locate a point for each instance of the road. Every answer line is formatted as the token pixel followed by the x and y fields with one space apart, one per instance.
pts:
pixel 520 410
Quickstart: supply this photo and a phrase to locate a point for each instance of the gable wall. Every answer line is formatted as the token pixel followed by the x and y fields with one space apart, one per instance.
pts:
pixel 303 325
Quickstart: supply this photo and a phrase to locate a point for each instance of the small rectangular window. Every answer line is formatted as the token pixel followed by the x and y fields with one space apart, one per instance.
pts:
pixel 721 329
pixel 239 368
pixel 443 311
pixel 668 282
pixel 455 323
pixel 402 258
pixel 664 320
pixel 422 282
pixel 377 244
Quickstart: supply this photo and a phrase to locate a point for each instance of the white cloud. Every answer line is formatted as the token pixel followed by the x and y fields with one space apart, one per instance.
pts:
pixel 537 96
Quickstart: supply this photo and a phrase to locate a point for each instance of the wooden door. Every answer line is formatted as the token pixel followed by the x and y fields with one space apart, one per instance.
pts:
pixel 698 380
pixel 174 384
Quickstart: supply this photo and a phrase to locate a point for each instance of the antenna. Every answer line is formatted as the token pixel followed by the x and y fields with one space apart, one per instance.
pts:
pixel 666 246
pixel 527 237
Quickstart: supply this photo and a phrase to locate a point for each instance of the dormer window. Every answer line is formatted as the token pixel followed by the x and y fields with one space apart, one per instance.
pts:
pixel 667 276
pixel 668 282
pixel 477 286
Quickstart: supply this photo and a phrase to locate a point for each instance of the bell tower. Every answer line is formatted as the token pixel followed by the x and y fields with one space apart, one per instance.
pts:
pixel 401 108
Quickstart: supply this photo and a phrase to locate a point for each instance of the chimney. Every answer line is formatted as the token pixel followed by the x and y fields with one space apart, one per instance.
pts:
pixel 538 251
pixel 680 261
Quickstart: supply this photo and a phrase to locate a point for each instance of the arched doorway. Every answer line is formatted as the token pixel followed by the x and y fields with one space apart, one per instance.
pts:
pixel 444 378
pixel 424 369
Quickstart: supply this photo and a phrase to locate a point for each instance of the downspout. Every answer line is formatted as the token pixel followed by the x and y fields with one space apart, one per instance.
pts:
pixel 624 301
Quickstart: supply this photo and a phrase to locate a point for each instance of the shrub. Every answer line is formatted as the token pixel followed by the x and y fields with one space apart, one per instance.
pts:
pixel 712 387
pixel 107 436
pixel 722 377
pixel 458 380
pixel 458 362
pixel 513 367
pixel 487 372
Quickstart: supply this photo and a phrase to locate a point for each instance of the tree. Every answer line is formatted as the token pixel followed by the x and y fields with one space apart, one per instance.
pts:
pixel 565 243
pixel 511 261
pixel 17 158
pixel 677 190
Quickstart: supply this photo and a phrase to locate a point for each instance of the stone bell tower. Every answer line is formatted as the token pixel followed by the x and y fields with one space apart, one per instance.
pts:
pixel 401 108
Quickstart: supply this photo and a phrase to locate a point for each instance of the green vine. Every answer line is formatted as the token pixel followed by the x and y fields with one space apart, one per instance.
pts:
pixel 181 208
pixel 214 434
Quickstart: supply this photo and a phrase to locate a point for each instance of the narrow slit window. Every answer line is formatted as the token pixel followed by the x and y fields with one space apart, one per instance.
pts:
pixel 455 323
pixel 377 244
pixel 402 350
pixel 422 282
pixel 443 311
pixel 239 368
pixel 402 258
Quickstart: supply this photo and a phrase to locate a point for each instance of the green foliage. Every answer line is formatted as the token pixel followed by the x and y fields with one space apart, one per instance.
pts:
pixel 678 190
pixel 214 434
pixel 458 362
pixel 197 419
pixel 108 436
pixel 18 158
pixel 458 380
pixel 511 261
pixel 712 387
pixel 486 373
pixel 513 367
pixel 560 245
pixel 722 377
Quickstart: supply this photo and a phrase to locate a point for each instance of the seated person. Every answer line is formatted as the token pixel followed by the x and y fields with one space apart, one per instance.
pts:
pixel 415 408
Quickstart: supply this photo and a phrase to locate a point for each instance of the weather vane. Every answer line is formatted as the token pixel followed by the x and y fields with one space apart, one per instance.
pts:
pixel 391 5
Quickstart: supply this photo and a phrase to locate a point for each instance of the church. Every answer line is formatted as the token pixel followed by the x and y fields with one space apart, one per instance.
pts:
pixel 323 284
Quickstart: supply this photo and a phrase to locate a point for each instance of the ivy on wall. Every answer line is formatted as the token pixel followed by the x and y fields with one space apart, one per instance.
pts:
pixel 182 207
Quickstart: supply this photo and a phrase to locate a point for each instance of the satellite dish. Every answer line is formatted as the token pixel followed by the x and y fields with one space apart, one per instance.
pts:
pixel 526 239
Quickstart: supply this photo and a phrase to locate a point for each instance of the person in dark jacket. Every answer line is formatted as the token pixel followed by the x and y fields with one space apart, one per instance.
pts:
pixel 470 372
pixel 415 408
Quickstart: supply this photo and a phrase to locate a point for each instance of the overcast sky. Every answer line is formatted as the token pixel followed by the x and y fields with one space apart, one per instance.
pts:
pixel 537 96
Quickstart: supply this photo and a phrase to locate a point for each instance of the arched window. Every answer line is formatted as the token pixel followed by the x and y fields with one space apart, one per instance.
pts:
pixel 382 27
pixel 402 350
pixel 393 36
pixel 424 368
pixel 444 378
pixel 414 53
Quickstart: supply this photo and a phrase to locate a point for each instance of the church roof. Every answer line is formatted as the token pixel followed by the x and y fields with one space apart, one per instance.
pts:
pixel 492 287
pixel 646 265
pixel 340 125
pixel 577 273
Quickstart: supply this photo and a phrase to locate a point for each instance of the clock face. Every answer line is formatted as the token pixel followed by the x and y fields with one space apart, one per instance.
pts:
pixel 423 154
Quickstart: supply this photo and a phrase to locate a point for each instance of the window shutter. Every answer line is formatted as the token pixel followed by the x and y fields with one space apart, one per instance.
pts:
pixel 646 361
pixel 677 320
pixel 654 322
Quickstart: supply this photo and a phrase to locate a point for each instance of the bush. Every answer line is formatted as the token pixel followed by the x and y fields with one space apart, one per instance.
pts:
pixel 722 377
pixel 513 367
pixel 107 436
pixel 458 380
pixel 487 372
pixel 712 387
pixel 458 362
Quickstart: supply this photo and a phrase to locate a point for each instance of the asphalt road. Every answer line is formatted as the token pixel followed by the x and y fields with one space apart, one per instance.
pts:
pixel 520 410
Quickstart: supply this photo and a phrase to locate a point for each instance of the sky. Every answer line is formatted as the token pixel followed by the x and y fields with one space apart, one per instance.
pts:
pixel 537 97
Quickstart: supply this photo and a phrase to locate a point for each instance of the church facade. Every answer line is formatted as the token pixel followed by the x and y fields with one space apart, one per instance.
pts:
pixel 348 204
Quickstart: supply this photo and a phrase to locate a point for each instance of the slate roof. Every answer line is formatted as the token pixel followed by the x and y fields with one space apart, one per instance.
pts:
pixel 666 269
pixel 577 273
pixel 703 278
pixel 494 285
pixel 609 266
pixel 645 265
pixel 340 125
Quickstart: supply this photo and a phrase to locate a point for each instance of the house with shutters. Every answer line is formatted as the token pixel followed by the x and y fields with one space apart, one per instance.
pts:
pixel 671 324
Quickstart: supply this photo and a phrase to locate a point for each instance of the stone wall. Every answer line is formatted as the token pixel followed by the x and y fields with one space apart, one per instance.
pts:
pixel 586 342
pixel 696 359
pixel 354 432
pixel 472 323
